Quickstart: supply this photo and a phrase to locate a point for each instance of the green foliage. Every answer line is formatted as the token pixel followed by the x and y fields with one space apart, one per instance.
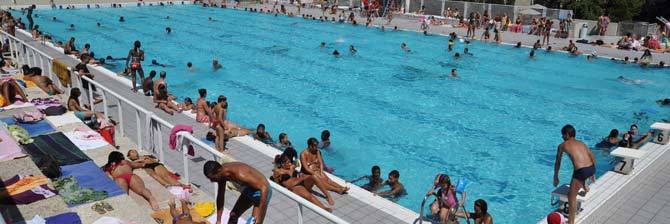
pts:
pixel 622 10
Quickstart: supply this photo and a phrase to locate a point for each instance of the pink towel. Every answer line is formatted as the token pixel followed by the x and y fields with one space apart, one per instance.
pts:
pixel 173 134
pixel 9 149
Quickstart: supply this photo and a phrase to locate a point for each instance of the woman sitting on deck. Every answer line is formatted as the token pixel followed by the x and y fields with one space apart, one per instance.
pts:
pixel 285 174
pixel 79 111
pixel 121 171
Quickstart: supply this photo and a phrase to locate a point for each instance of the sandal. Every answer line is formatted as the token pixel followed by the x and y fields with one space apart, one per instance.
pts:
pixel 106 206
pixel 97 207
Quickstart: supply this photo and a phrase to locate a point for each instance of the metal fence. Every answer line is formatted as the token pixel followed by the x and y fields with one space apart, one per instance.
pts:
pixel 140 125
pixel 438 7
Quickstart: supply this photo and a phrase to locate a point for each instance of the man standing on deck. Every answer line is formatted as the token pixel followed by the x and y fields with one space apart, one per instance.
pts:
pixel 584 165
pixel 255 190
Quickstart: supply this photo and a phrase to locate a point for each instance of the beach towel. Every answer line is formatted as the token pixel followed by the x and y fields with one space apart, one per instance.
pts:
pixel 62 120
pixel 80 139
pixel 89 175
pixel 175 130
pixel 60 69
pixel 9 148
pixel 58 146
pixel 34 129
pixel 17 105
pixel 25 190
pixel 44 103
pixel 65 218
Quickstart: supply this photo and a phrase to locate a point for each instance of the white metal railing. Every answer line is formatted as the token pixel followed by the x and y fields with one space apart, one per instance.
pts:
pixel 186 139
pixel 25 54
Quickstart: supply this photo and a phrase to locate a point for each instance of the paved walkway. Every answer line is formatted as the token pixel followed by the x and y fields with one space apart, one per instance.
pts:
pixel 412 24
pixel 281 210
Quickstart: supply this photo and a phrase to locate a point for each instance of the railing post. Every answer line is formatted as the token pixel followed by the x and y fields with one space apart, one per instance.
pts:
pixel 161 153
pixel 104 103
pixel 120 109
pixel 299 213
pixel 34 56
pixel 139 129
pixel 91 102
pixel 184 150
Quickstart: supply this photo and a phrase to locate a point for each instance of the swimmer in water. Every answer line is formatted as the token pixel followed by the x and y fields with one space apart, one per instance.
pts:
pixel 453 73
pixel 466 51
pixel 189 66
pixel 167 17
pixel 450 46
pixel 663 102
pixel 121 19
pixel 532 54
pixel 549 49
pixel 404 47
pixel 629 81
pixel 168 30
pixel 352 50
pixel 457 55
pixel 98 24
pixel 155 63
pixel 336 53
pixel 395 28
pixel 54 19
pixel 110 58
pixel 216 65
pixel 71 27
pixel 323 45
pixel 397 189
pixel 518 45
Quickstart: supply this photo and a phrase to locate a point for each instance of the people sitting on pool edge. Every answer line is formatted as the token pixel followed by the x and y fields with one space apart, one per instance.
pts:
pixel 480 215
pixel 301 184
pixel 312 164
pixel 374 180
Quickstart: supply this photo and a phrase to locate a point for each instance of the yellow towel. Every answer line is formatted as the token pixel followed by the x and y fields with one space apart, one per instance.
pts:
pixel 2 101
pixel 60 69
pixel 29 84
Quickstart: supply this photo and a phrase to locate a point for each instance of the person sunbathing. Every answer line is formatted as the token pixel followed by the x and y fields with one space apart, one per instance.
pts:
pixel 285 174
pixel 45 83
pixel 10 89
pixel 121 171
pixel 155 169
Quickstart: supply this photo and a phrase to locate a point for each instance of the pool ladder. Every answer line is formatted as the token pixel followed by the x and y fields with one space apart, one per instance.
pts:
pixel 423 218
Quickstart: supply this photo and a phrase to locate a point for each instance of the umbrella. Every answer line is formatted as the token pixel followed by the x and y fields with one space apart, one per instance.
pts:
pixel 529 12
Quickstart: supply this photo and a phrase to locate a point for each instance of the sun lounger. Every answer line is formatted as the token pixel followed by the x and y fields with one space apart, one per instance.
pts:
pixel 628 154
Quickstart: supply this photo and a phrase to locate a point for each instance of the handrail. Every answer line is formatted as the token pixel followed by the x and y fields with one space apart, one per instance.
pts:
pixel 191 139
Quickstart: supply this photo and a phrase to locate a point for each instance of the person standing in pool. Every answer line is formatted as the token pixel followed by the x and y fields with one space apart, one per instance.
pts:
pixel 584 164
pixel 397 189
pixel 374 180
pixel 216 65
pixel 135 58
pixel 255 189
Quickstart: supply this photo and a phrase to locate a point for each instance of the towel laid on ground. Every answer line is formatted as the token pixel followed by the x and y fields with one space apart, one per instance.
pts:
pixel 86 140
pixel 58 146
pixel 34 129
pixel 65 218
pixel 89 175
pixel 9 148
pixel 17 105
pixel 20 190
pixel 62 120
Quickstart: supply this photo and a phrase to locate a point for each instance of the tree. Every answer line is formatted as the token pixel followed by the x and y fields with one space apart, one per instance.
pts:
pixel 623 10
pixel 652 9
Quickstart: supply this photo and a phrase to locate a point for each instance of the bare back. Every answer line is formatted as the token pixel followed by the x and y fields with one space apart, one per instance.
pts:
pixel 579 153
pixel 244 175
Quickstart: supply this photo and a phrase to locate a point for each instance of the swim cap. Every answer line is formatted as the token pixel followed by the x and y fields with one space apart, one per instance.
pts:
pixel 556 218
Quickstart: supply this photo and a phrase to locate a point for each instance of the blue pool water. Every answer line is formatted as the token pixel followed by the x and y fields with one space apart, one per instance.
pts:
pixel 498 125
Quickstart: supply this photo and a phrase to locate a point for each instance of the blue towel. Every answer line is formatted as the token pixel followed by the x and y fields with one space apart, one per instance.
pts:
pixel 65 218
pixel 208 142
pixel 34 129
pixel 89 175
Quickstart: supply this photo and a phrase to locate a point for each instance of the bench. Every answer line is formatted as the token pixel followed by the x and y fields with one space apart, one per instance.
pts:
pixel 625 167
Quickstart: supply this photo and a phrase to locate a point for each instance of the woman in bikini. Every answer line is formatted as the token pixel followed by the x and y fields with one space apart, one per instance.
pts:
pixel 285 174
pixel 164 101
pixel 135 58
pixel 202 108
pixel 220 111
pixel 122 171
pixel 69 47
pixel 157 170
pixel 9 89
pixel 80 112
pixel 312 164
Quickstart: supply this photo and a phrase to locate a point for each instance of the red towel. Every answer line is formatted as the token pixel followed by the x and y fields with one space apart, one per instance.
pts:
pixel 173 134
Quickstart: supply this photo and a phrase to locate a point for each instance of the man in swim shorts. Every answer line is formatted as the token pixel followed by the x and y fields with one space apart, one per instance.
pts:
pixel 255 189
pixel 584 164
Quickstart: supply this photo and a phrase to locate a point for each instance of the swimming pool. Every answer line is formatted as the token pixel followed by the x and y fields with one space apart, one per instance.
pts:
pixel 498 125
